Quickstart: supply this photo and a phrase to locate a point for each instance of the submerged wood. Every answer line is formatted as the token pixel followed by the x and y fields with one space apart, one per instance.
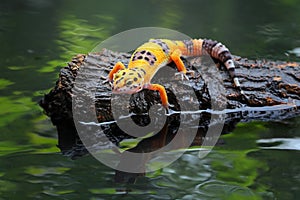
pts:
pixel 272 89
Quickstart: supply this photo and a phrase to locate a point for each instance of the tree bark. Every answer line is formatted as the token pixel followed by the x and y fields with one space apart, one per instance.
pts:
pixel 272 90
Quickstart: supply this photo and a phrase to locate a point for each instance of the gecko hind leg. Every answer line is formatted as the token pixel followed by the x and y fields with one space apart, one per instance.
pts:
pixel 175 56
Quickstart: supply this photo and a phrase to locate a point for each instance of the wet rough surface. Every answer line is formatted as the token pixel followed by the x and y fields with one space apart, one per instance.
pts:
pixel 272 88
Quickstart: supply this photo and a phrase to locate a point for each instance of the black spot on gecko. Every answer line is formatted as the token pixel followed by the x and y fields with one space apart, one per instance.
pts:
pixel 131 73
pixel 143 71
pixel 162 44
pixel 146 55
pixel 118 81
pixel 140 76
pixel 135 79
pixel 129 83
pixel 123 73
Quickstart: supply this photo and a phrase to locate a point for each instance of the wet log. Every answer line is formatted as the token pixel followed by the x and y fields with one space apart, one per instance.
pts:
pixel 272 89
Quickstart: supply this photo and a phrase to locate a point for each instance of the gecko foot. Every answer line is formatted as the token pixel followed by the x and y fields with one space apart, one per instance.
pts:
pixel 169 111
pixel 167 107
pixel 184 75
pixel 106 80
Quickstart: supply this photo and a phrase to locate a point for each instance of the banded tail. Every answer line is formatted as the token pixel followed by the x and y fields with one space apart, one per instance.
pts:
pixel 216 50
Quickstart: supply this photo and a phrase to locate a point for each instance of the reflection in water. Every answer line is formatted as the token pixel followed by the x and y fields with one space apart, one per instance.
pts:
pixel 280 143
pixel 295 51
pixel 159 140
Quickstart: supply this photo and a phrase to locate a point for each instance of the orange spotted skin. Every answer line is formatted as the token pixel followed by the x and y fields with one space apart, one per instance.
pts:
pixel 156 53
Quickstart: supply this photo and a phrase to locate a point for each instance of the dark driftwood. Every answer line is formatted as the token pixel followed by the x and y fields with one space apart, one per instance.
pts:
pixel 272 88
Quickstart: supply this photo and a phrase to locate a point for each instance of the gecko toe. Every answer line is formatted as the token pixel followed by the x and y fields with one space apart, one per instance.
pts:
pixel 191 72
pixel 182 75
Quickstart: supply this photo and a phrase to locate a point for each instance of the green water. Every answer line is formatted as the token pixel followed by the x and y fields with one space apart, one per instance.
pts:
pixel 37 37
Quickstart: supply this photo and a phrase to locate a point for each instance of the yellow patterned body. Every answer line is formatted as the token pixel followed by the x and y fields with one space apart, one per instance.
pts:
pixel 156 53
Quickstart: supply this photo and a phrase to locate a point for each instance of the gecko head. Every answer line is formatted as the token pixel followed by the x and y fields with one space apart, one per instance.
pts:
pixel 128 81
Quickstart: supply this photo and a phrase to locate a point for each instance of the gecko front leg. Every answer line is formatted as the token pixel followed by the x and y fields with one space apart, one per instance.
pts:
pixel 118 66
pixel 162 93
